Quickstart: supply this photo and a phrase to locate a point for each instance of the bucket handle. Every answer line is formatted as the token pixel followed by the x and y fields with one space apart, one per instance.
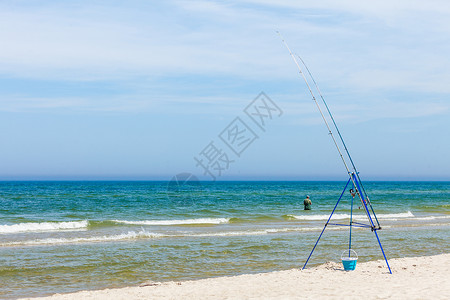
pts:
pixel 348 254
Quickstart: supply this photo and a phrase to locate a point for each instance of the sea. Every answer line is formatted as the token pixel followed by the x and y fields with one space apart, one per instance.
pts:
pixel 60 237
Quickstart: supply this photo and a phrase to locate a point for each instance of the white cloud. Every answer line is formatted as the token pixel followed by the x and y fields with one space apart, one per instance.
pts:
pixel 353 45
pixel 162 104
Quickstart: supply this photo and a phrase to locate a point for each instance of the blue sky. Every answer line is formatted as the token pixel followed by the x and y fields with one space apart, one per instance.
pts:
pixel 137 89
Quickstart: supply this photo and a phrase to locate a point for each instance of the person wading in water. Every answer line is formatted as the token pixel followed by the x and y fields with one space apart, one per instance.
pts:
pixel 307 203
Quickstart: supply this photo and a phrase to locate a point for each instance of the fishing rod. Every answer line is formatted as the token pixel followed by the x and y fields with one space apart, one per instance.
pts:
pixel 356 183
pixel 317 104
pixel 341 138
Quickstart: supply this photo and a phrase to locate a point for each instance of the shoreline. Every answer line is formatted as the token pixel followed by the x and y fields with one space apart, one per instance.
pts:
pixel 423 277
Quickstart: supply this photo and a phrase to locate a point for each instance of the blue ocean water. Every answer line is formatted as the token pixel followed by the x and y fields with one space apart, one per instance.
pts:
pixel 60 237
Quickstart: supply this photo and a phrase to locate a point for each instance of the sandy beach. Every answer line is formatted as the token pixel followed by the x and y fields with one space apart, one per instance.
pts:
pixel 412 278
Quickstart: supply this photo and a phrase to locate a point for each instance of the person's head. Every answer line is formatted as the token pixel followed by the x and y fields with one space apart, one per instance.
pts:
pixel 307 196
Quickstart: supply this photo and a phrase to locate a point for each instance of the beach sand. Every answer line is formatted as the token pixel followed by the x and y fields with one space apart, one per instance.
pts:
pixel 413 278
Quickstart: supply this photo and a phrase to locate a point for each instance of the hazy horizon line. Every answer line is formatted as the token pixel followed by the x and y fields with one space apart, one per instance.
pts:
pixel 229 179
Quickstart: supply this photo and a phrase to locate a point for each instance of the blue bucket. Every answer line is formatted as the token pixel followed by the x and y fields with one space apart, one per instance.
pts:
pixel 349 259
pixel 349 263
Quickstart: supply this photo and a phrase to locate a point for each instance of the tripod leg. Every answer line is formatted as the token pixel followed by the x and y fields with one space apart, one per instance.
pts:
pixel 381 247
pixel 374 229
pixel 304 266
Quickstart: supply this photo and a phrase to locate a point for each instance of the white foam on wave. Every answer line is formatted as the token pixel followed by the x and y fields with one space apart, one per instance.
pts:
pixel 356 216
pixel 254 232
pixel 399 215
pixel 320 217
pixel 43 226
pixel 131 235
pixel 432 218
pixel 423 225
pixel 177 222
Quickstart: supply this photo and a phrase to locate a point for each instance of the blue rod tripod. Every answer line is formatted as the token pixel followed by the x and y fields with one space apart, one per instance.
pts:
pixel 354 179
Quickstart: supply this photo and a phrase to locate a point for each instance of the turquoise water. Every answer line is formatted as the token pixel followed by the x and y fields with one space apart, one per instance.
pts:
pixel 67 236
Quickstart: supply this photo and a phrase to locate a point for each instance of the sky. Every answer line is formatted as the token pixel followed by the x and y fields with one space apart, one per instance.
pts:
pixel 146 90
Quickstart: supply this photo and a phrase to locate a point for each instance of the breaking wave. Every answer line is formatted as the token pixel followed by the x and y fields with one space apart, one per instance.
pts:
pixel 43 226
pixel 255 232
pixel 201 221
pixel 131 235
pixel 347 216
pixel 433 218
